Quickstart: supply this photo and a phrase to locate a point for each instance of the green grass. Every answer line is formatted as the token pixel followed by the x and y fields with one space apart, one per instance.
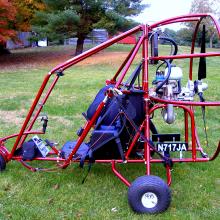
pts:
pixel 60 194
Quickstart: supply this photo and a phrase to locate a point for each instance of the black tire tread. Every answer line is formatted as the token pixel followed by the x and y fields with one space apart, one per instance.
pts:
pixel 152 182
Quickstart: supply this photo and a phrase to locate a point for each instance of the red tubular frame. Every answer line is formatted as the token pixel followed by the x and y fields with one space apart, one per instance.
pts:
pixel 117 79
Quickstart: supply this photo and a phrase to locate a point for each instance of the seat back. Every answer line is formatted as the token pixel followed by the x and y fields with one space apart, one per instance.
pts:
pixel 113 124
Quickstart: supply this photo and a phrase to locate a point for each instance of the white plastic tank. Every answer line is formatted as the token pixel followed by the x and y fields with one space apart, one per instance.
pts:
pixel 176 73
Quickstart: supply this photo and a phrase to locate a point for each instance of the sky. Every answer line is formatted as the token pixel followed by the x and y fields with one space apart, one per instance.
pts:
pixel 163 9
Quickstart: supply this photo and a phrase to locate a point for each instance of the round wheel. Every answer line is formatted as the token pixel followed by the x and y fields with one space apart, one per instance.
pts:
pixel 149 194
pixel 2 163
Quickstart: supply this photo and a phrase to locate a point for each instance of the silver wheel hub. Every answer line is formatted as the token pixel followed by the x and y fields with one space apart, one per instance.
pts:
pixel 149 200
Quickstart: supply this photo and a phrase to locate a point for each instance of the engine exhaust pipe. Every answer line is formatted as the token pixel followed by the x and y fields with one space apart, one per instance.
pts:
pixel 168 114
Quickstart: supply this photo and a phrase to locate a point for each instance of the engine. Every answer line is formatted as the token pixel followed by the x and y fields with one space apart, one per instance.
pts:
pixel 169 87
pixel 168 80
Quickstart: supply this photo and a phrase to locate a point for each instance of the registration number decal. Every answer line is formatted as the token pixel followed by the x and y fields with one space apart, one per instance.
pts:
pixel 172 146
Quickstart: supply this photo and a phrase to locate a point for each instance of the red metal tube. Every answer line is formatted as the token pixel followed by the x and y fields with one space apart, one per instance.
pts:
pixel 125 181
pixel 180 21
pixel 86 129
pixel 25 133
pixel 137 135
pixel 128 64
pixel 47 77
pixel 192 48
pixel 174 160
pixel 145 64
pixel 186 126
pixel 52 159
pixel 147 147
pixel 182 56
pixel 40 108
pixel 188 16
pixel 123 64
pixel 147 104
pixel 169 176
pixel 186 160
pixel 177 18
pixel 190 103
pixel 96 49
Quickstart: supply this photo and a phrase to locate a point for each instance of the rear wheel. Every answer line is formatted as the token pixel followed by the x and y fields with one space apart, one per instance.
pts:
pixel 149 194
pixel 2 163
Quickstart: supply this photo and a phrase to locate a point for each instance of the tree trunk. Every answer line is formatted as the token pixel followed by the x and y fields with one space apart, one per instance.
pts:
pixel 3 49
pixel 79 46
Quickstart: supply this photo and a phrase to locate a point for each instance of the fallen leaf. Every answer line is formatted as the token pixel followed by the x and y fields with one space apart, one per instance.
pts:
pixel 56 186
pixel 50 201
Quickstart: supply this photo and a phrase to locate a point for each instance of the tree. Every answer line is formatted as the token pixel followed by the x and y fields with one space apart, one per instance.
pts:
pixel 7 15
pixel 15 15
pixel 25 12
pixel 206 6
pixel 184 36
pixel 171 33
pixel 77 18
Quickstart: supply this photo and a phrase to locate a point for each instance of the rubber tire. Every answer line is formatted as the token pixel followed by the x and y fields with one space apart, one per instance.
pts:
pixel 2 163
pixel 146 184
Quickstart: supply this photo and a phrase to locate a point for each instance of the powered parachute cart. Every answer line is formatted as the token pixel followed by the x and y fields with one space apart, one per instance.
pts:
pixel 120 121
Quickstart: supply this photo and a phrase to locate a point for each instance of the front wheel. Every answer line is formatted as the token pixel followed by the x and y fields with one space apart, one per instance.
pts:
pixel 149 194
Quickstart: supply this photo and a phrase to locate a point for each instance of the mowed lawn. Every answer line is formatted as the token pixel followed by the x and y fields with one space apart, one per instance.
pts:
pixel 60 194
